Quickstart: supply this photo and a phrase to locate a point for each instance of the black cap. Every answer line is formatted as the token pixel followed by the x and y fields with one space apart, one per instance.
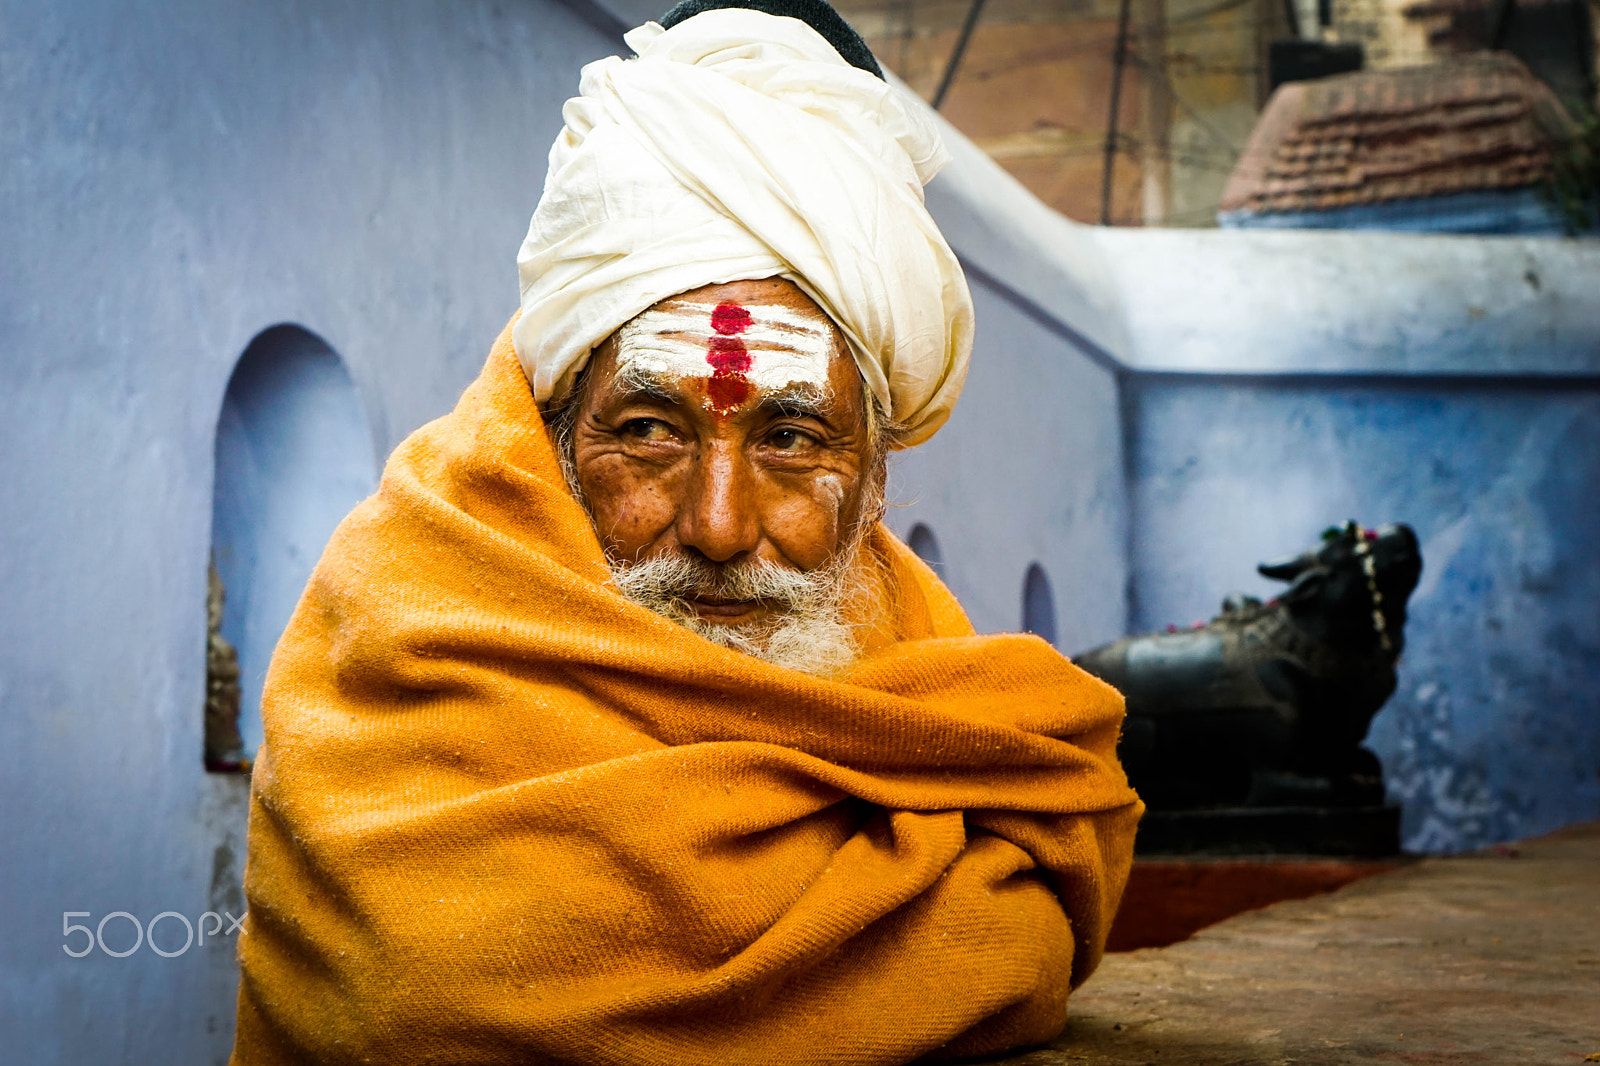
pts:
pixel 817 14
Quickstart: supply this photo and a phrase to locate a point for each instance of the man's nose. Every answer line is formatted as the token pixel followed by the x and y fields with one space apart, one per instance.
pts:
pixel 719 518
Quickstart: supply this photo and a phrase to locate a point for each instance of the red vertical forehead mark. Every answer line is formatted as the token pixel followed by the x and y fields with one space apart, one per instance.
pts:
pixel 728 319
pixel 727 392
pixel 728 387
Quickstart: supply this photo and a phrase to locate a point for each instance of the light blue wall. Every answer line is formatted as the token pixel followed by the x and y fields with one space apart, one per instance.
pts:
pixel 1341 303
pixel 174 178
pixel 294 456
pixel 1028 470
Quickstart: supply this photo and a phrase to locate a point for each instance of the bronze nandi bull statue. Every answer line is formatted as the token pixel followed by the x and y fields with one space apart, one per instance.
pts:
pixel 1267 704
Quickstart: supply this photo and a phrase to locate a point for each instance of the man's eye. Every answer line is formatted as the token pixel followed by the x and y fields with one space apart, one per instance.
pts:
pixel 789 440
pixel 647 429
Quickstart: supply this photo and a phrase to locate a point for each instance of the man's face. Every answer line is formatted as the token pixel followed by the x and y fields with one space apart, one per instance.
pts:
pixel 726 426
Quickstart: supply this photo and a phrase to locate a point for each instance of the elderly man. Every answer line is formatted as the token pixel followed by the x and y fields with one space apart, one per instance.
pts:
pixel 616 728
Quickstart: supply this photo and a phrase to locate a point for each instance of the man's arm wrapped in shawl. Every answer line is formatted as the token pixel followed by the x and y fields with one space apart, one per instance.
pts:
pixel 503 815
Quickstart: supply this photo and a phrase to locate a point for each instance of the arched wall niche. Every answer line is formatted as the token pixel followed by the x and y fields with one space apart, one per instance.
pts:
pixel 1038 604
pixel 922 541
pixel 293 455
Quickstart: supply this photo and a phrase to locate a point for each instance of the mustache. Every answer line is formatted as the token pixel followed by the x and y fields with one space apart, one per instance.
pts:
pixel 806 631
pixel 667 580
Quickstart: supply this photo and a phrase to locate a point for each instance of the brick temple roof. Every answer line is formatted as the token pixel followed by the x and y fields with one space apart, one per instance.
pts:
pixel 1469 123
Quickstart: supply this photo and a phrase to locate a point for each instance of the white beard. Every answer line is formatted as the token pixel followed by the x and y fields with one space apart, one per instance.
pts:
pixel 808 632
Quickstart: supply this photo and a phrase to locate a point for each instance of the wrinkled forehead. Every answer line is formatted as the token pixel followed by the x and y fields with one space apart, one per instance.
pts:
pixel 735 345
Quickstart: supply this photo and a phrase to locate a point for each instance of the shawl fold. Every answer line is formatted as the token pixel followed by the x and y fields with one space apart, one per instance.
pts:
pixel 502 815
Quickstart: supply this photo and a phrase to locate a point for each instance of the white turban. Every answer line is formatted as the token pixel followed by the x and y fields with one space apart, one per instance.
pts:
pixel 740 145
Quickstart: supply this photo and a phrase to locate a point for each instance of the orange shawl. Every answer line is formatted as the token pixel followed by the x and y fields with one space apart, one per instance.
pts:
pixel 503 815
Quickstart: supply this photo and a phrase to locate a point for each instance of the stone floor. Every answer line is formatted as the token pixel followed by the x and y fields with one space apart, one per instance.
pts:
pixel 1491 958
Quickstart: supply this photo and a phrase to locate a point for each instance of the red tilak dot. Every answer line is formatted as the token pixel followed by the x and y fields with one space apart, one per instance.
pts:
pixel 729 319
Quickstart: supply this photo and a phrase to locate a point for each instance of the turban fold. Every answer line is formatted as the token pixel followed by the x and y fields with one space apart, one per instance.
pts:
pixel 740 145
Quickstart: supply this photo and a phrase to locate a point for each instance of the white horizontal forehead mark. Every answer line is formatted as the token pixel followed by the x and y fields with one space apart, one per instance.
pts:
pixel 785 347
